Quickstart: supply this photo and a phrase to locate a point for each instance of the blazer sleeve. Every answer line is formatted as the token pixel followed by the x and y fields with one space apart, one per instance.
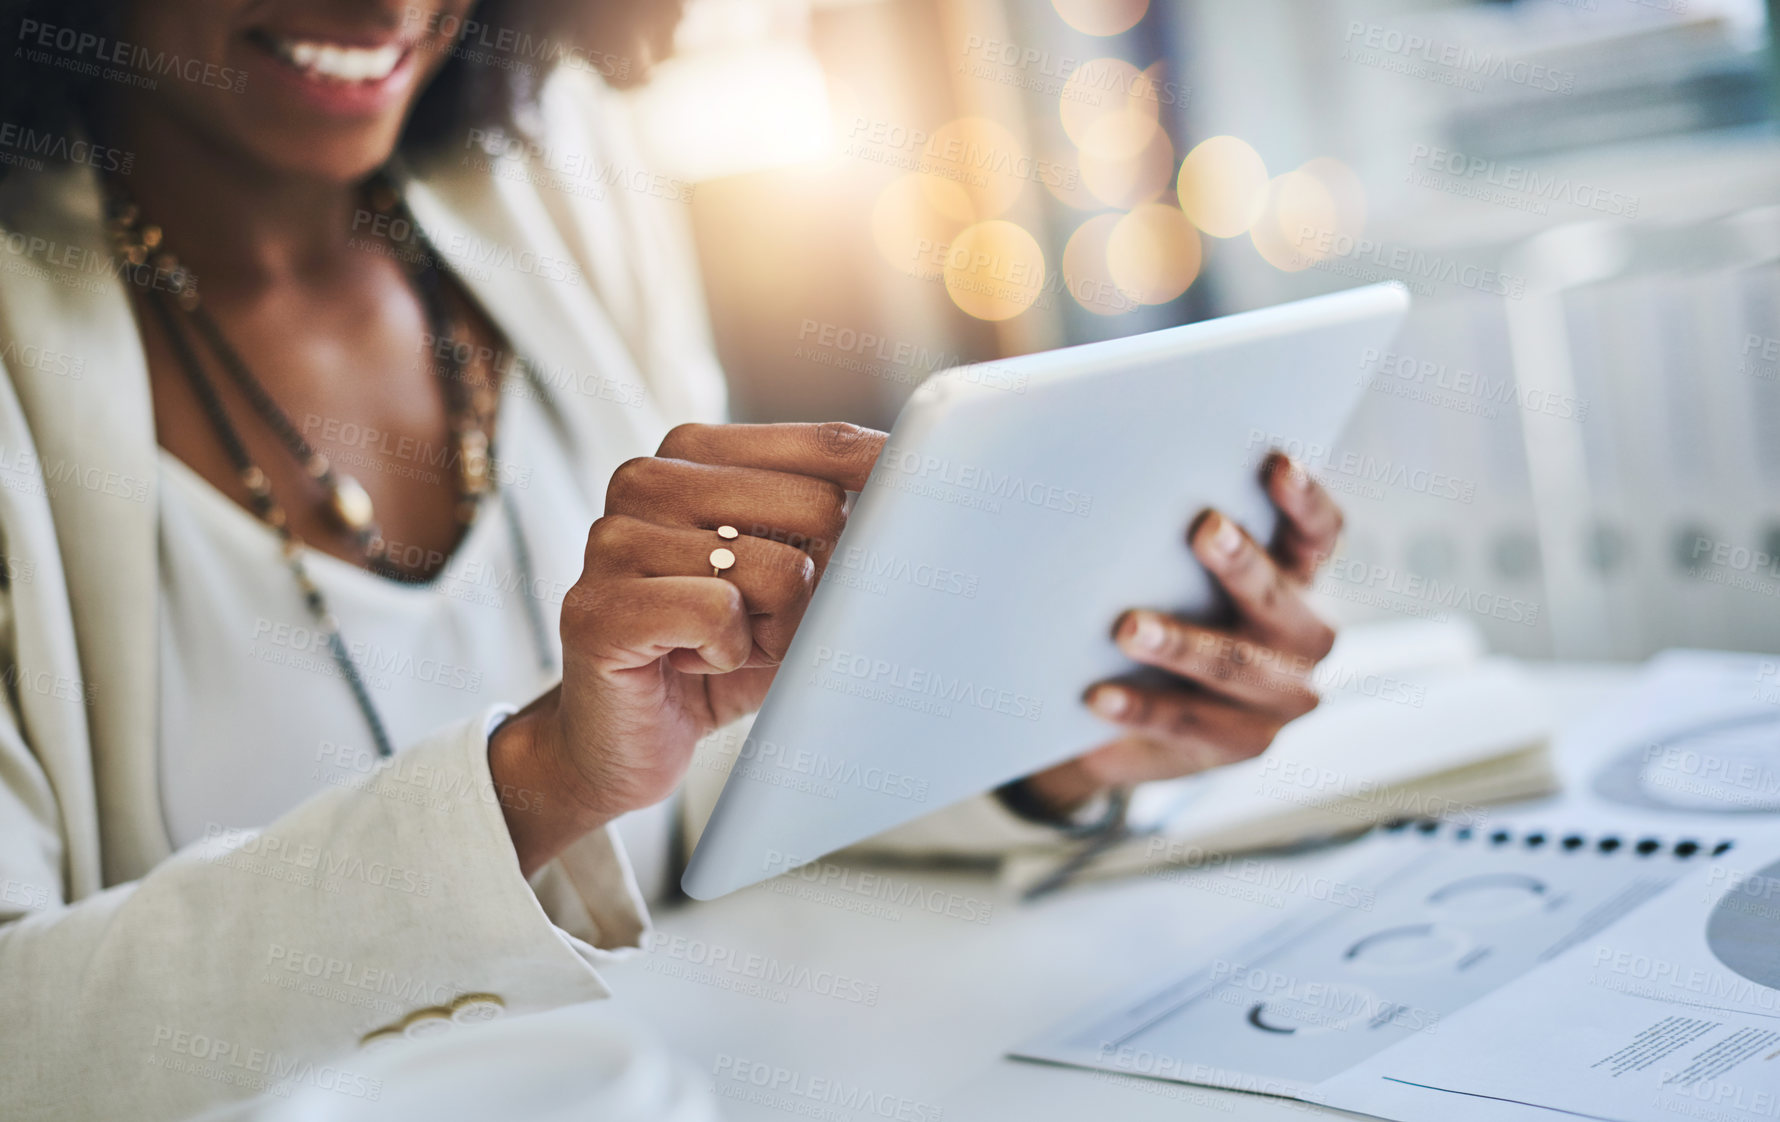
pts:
pixel 268 960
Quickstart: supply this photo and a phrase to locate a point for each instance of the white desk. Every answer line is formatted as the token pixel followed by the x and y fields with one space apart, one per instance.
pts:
pixel 951 996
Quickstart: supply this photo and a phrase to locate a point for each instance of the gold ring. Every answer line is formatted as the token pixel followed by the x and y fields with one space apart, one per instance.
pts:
pixel 721 558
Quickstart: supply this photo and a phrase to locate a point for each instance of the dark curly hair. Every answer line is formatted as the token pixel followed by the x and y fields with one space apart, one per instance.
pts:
pixel 503 51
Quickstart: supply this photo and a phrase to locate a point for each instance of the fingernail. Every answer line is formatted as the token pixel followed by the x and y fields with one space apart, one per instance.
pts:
pixel 1148 634
pixel 1226 539
pixel 1110 701
pixel 1296 477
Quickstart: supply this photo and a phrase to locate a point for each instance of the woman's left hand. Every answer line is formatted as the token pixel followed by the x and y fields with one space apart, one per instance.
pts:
pixel 1233 687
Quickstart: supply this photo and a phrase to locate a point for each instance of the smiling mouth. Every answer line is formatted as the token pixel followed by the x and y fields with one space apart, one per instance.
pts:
pixel 329 61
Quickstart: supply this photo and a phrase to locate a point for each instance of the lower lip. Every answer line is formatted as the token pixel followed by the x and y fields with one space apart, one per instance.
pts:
pixel 344 99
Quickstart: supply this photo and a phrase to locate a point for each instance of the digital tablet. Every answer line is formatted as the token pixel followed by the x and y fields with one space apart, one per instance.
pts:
pixel 1018 508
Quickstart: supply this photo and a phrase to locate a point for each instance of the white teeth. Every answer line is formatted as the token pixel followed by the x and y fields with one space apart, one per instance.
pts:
pixel 342 64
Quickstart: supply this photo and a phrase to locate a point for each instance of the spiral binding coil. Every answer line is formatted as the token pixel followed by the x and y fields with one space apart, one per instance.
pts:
pixel 1569 842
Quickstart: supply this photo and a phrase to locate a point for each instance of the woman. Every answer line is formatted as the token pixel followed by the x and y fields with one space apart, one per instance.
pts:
pixel 268 310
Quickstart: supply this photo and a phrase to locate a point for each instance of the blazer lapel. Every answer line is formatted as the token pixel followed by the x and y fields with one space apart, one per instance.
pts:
pixel 502 246
pixel 92 420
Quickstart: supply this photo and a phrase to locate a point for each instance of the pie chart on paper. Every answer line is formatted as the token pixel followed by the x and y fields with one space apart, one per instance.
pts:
pixel 1726 766
pixel 1744 929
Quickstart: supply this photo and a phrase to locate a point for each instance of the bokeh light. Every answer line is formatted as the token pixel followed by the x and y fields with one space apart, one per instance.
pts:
pixel 1109 108
pixel 848 108
pixel 1345 188
pixel 1153 253
pixel 1085 270
pixel 1101 17
pixel 1125 181
pixel 1295 229
pixel 978 159
pixel 1065 182
pixel 1223 186
pixel 911 233
pixel 994 270
pixel 734 109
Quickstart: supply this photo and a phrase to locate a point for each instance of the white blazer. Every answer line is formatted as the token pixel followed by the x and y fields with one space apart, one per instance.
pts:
pixel 143 983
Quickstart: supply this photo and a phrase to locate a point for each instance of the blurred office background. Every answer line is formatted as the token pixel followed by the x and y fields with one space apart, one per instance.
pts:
pixel 1576 442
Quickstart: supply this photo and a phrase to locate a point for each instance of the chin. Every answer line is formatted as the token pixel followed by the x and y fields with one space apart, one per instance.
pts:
pixel 334 159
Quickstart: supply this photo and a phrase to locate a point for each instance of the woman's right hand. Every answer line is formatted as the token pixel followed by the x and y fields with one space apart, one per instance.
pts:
pixel 657 651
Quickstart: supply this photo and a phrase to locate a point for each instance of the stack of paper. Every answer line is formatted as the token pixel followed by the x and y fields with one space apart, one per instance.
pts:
pixel 1674 1012
pixel 1612 955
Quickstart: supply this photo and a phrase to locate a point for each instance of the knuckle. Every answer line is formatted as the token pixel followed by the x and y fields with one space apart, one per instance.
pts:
pixel 771 654
pixel 1277 595
pixel 632 480
pixel 1185 759
pixel 821 501
pixel 1245 566
pixel 682 439
pixel 1241 653
pixel 1184 719
pixel 830 531
pixel 1243 750
pixel 793 571
pixel 577 605
pixel 1321 640
pixel 1221 657
pixel 608 533
pixel 1252 741
pixel 1208 642
pixel 582 610
pixel 1191 757
pixel 1177 644
pixel 829 498
pixel 1303 701
pixel 1105 767
pixel 725 603
pixel 804 572
pixel 1143 708
pixel 737 645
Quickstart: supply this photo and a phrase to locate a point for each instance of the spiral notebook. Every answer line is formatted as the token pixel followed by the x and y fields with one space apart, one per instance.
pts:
pixel 1433 917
